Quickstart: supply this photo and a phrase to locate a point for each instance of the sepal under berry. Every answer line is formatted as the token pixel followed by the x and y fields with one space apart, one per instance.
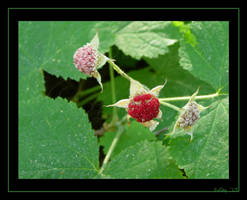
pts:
pixel 156 90
pixel 152 124
pixel 96 75
pixel 136 88
pixel 121 104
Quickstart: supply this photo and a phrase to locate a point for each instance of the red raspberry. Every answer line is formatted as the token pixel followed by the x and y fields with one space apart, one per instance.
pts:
pixel 144 107
pixel 85 59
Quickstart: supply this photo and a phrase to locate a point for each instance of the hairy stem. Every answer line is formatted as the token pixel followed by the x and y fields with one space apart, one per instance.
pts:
pixel 114 99
pixel 188 97
pixel 118 70
pixel 112 147
pixel 170 106
pixel 120 124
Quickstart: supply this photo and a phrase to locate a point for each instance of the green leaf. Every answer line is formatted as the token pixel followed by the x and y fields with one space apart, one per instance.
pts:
pixel 185 29
pixel 209 58
pixel 135 133
pixel 143 160
pixel 146 39
pixel 123 60
pixel 55 140
pixel 55 137
pixel 30 85
pixel 107 33
pixel 207 156
pixel 51 45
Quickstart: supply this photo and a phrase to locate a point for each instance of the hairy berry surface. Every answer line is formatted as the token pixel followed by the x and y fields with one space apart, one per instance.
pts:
pixel 190 116
pixel 144 107
pixel 85 59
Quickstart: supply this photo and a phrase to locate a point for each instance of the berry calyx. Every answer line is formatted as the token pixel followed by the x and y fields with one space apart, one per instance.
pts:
pixel 85 59
pixel 144 107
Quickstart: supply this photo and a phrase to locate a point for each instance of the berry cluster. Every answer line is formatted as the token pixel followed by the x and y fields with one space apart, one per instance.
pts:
pixel 144 107
pixel 85 59
pixel 190 115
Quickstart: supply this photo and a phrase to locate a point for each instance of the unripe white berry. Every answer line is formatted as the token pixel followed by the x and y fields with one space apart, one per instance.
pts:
pixel 190 115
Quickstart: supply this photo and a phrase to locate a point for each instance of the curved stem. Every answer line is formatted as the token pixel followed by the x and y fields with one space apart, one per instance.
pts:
pixel 112 147
pixel 170 106
pixel 118 70
pixel 120 124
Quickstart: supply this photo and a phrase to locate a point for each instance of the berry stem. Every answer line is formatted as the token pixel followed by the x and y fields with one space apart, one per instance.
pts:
pixel 112 147
pixel 87 99
pixel 188 97
pixel 82 93
pixel 114 99
pixel 170 106
pixel 121 128
pixel 118 70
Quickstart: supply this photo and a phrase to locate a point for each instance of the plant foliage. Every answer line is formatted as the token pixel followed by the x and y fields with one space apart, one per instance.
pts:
pixel 56 139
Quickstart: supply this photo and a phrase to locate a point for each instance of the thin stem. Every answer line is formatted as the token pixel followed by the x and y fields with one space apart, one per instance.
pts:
pixel 188 97
pixel 82 93
pixel 112 147
pixel 114 99
pixel 93 89
pixel 120 124
pixel 86 100
pixel 118 70
pixel 171 106
pixel 160 131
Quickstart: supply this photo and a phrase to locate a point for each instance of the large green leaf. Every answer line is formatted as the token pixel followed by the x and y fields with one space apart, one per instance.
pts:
pixel 207 156
pixel 55 137
pixel 208 59
pixel 51 45
pixel 30 85
pixel 143 160
pixel 147 39
pixel 55 140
